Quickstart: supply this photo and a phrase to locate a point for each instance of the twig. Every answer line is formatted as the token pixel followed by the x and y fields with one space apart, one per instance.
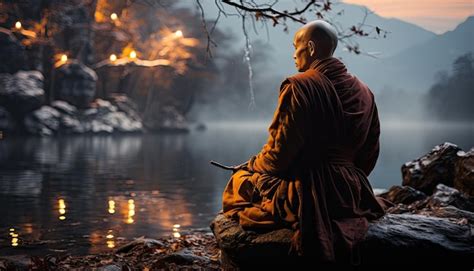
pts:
pixel 214 163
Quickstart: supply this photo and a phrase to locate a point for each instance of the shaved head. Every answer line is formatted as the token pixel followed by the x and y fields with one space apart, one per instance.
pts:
pixel 315 40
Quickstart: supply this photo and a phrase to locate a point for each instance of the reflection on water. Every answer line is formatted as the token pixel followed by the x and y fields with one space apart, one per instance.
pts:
pixel 88 194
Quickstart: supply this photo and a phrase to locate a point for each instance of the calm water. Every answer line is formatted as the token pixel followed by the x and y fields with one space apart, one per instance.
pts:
pixel 91 193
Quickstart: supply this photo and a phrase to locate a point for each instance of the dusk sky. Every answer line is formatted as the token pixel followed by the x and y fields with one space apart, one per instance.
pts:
pixel 438 16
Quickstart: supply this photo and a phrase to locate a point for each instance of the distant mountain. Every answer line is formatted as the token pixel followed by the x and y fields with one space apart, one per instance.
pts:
pixel 414 68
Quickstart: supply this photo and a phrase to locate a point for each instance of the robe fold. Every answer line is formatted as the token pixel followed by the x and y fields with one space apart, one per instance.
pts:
pixel 311 175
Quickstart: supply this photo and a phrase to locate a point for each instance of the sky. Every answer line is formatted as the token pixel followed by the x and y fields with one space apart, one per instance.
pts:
pixel 438 16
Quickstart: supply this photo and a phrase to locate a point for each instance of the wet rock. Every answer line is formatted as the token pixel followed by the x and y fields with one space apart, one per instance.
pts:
pixel 75 83
pixel 22 92
pixel 431 169
pixel 403 194
pixel 7 123
pixel 12 53
pixel 400 238
pixel 464 172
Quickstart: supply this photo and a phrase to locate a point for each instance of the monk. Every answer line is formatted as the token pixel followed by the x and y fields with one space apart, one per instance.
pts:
pixel 323 142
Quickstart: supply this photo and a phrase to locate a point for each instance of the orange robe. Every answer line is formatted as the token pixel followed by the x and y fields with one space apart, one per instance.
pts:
pixel 311 174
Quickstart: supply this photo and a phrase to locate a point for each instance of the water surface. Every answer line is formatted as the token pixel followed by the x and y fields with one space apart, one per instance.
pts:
pixel 85 194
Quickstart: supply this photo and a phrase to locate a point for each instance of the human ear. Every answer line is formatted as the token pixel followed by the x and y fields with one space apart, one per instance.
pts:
pixel 312 47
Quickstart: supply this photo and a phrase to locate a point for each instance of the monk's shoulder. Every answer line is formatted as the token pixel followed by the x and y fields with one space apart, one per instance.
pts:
pixel 300 83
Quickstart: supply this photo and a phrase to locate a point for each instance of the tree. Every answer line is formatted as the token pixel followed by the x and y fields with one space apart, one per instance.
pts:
pixel 450 98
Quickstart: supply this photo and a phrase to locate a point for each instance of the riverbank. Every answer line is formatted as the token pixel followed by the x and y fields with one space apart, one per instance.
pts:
pixel 197 250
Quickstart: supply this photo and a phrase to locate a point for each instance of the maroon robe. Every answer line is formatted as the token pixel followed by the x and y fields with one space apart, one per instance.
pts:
pixel 312 172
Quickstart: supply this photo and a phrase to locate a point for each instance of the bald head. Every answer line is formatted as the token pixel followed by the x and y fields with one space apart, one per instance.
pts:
pixel 318 38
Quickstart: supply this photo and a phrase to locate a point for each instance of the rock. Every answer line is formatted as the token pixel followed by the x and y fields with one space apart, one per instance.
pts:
pixel 64 107
pixel 44 121
pixel 48 121
pixel 12 53
pixel 75 83
pixel 403 194
pixel 126 105
pixel 445 195
pixel 140 243
pixel 7 123
pixel 183 257
pixel 17 262
pixel 431 169
pixel 105 117
pixel 396 238
pixel 451 212
pixel 22 92
pixel 464 172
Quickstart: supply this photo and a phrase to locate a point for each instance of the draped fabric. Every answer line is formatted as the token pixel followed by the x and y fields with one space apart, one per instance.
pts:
pixel 311 174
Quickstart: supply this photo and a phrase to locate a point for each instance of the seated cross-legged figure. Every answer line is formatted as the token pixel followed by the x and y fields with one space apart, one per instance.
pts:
pixel 323 142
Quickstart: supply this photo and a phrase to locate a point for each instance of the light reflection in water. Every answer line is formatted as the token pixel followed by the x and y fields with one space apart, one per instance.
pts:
pixel 111 207
pixel 14 237
pixel 62 209
pixel 176 233
pixel 110 239
pixel 131 211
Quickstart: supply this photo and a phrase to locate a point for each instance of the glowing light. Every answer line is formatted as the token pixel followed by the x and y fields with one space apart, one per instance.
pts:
pixel 1 134
pixel 110 243
pixel 62 209
pixel 62 204
pixel 18 25
pixel 63 58
pixel 131 211
pixel 111 207
pixel 178 33
pixel 14 237
pixel 114 16
pixel 133 54
pixel 113 57
pixel 176 233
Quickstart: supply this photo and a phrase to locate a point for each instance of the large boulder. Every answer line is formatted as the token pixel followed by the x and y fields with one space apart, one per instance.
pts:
pixel 22 92
pixel 395 238
pixel 12 53
pixel 75 83
pixel 431 169
pixel 464 172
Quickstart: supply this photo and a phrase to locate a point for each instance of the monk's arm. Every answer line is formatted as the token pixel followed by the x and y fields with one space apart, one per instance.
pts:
pixel 285 135
pixel 367 157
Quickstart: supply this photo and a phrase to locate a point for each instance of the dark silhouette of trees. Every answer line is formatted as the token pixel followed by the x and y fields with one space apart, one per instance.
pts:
pixel 452 96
